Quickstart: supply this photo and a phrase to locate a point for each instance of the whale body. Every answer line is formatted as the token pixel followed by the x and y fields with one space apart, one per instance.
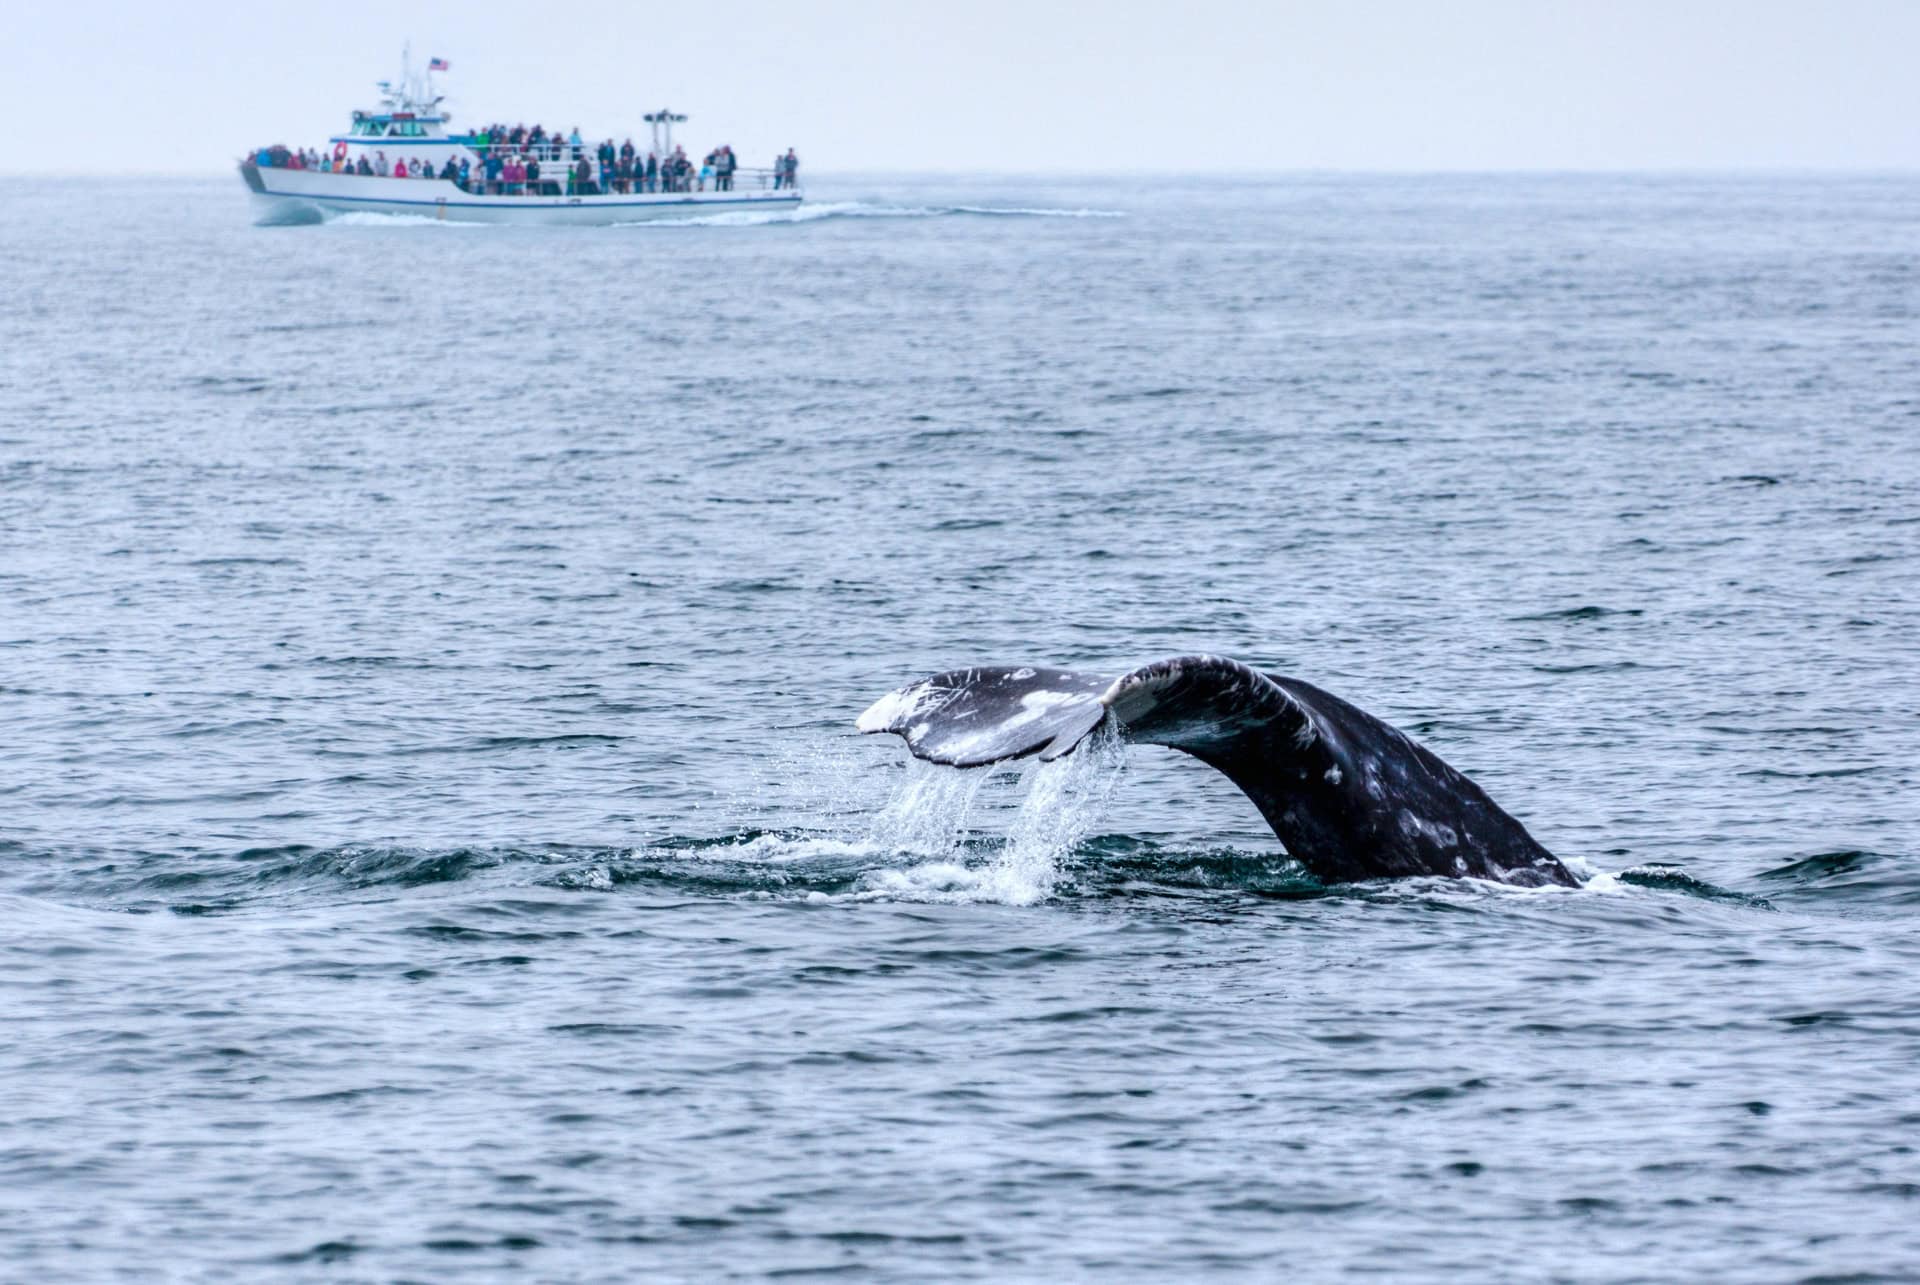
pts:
pixel 1350 797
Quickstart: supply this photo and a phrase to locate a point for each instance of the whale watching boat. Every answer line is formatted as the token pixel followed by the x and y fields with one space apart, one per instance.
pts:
pixel 404 159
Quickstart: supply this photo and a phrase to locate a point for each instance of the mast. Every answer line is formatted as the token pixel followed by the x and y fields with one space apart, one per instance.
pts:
pixel 662 123
pixel 413 92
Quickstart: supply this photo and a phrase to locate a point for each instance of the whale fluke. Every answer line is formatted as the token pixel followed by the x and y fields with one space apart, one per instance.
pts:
pixel 1350 796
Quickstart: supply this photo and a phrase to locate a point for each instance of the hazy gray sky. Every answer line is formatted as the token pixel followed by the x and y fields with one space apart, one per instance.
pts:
pixel 1004 84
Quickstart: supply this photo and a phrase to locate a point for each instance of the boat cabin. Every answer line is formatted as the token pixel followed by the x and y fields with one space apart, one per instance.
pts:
pixel 409 124
pixel 396 125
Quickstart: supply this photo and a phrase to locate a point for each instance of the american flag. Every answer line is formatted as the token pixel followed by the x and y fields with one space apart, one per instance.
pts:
pixel 436 64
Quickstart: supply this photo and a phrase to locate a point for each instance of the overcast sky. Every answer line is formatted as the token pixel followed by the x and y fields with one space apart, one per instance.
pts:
pixel 1004 84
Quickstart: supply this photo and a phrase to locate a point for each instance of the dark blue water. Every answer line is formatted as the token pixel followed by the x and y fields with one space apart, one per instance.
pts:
pixel 433 842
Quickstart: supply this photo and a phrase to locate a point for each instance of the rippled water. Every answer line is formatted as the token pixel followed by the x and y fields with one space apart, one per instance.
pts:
pixel 435 843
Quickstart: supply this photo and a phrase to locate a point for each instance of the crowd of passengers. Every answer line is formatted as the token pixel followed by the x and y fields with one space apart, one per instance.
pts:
pixel 521 161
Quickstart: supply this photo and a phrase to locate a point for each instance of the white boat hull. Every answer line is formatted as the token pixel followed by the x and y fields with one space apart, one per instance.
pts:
pixel 288 195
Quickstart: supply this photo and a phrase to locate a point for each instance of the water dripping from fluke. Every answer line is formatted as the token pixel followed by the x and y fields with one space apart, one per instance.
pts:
pixel 935 813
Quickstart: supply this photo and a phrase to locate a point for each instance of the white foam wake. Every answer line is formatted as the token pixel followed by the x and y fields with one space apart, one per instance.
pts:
pixel 816 210
pixel 378 219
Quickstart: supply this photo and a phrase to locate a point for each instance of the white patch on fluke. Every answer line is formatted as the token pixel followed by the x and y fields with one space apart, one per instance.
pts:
pixel 893 709
pixel 1035 704
pixel 1033 707
pixel 1131 698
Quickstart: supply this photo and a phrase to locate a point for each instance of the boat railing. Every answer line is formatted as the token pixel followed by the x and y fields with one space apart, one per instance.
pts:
pixel 558 182
pixel 761 178
pixel 548 152
pixel 544 151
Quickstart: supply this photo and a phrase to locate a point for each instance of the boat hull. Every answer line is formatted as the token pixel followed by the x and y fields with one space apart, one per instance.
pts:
pixel 286 195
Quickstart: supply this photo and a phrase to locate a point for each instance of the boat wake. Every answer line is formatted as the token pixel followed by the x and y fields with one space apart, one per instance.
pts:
pixel 377 219
pixel 815 211
pixel 295 215
pixel 292 214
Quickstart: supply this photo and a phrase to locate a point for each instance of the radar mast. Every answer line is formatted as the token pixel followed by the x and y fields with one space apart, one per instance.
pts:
pixel 662 123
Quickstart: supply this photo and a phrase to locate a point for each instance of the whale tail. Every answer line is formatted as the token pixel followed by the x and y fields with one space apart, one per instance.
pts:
pixel 1349 796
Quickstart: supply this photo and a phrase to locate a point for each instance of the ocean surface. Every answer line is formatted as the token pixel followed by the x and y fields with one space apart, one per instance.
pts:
pixel 434 844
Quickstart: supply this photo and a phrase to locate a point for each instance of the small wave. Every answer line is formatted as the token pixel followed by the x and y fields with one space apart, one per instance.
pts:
pixel 1665 878
pixel 1125 866
pixel 215 883
pixel 289 215
pixel 1035 212
pixel 1589 612
pixel 297 327
pixel 242 385
pixel 1849 874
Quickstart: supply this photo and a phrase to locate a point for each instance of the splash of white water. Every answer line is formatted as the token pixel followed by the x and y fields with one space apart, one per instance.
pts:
pixel 932 816
pixel 929 815
pixel 941 835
